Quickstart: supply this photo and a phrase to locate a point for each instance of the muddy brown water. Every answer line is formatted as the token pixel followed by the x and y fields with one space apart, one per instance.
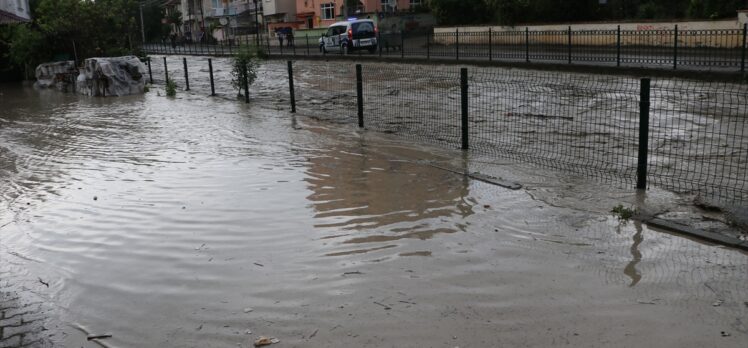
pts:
pixel 204 222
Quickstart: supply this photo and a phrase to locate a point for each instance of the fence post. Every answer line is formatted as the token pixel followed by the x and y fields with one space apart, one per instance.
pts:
pixel 569 34
pixel 464 104
pixel 212 85
pixel 428 45
pixel 379 42
pixel 186 75
pixel 457 43
pixel 742 60
pixel 618 46
pixel 641 168
pixel 290 86
pixel 527 44
pixel 490 44
pixel 246 84
pixel 150 73
pixel 166 71
pixel 675 48
pixel 360 95
pixel 307 44
pixel 402 43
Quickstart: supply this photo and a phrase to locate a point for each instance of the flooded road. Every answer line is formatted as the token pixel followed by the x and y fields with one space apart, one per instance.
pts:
pixel 205 222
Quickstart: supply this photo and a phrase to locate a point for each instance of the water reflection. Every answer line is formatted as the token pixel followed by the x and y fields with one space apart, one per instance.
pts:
pixel 636 256
pixel 376 199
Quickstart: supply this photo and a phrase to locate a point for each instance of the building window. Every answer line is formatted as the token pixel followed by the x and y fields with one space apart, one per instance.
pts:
pixel 328 10
pixel 389 5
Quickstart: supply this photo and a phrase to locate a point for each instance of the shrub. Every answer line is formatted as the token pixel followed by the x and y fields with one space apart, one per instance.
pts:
pixel 171 88
pixel 245 64
pixel 622 212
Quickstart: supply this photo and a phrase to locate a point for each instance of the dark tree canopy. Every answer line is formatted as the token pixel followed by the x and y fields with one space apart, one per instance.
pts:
pixel 509 12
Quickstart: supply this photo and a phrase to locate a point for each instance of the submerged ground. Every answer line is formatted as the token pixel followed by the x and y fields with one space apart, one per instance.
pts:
pixel 204 222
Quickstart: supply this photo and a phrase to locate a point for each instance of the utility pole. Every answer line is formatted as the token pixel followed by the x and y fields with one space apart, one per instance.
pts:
pixel 257 24
pixel 142 28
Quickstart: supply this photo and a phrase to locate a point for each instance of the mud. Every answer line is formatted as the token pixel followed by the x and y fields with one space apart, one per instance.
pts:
pixel 161 220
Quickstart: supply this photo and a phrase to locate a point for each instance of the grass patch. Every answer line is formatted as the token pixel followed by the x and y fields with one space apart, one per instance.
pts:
pixel 171 88
pixel 623 213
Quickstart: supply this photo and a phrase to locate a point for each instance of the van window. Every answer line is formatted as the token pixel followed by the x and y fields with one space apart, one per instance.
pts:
pixel 363 27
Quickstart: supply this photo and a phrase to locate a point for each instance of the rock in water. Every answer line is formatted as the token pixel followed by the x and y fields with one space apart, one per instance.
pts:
pixel 59 75
pixel 115 76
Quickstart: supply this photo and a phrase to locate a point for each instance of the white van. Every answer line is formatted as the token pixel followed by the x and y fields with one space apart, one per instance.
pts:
pixel 345 37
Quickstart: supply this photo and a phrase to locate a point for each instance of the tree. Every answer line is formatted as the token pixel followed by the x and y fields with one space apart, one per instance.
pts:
pixel 451 12
pixel 713 9
pixel 67 29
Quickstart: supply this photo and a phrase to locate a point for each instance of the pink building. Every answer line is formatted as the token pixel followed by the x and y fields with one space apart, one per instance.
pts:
pixel 322 13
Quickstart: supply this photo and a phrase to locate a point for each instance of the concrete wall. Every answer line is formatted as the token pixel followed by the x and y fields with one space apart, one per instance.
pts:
pixel 720 34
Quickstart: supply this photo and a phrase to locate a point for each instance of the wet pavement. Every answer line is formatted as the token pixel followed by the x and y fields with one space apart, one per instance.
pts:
pixel 205 222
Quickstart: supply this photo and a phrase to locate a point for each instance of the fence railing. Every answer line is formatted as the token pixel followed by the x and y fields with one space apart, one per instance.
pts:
pixel 673 49
pixel 683 135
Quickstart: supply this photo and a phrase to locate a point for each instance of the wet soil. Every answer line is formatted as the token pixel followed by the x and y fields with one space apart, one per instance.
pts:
pixel 206 222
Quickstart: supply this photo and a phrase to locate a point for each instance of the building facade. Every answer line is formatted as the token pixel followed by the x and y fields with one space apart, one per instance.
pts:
pixel 205 20
pixel 14 11
pixel 321 13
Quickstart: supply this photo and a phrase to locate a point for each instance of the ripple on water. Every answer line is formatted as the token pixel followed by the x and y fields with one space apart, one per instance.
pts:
pixel 204 207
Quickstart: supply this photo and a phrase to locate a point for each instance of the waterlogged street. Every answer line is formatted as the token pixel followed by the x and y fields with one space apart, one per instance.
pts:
pixel 200 221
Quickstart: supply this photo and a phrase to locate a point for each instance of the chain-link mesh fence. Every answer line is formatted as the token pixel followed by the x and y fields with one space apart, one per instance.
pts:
pixel 586 124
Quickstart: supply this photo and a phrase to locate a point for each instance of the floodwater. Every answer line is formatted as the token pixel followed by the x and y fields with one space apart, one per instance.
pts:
pixel 205 222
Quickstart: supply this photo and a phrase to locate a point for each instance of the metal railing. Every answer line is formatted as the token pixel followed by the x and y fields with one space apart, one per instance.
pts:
pixel 723 50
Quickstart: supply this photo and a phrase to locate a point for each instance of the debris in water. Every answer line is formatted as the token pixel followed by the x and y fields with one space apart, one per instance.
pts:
pixel 199 327
pixel 98 337
pixel 718 303
pixel 652 302
pixel 259 264
pixel 265 341
pixel 385 306
pixel 43 282
pixel 248 309
pixel 725 334
pixel 352 273
pixel 96 198
pixel 486 206
pixel 314 333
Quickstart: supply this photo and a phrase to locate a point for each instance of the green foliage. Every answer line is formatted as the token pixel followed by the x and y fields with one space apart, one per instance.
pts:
pixel 713 9
pixel 623 213
pixel 171 88
pixel 453 12
pixel 245 64
pixel 78 28
pixel 511 12
pixel 175 17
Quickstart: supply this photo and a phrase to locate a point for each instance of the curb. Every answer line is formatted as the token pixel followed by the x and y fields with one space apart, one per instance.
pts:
pixel 704 235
